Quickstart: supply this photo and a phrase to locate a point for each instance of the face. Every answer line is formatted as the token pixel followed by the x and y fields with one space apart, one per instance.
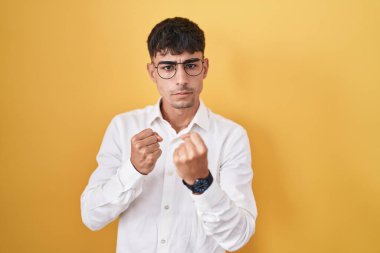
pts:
pixel 182 90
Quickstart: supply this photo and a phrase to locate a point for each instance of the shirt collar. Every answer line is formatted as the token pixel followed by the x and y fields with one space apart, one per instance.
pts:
pixel 201 118
pixel 156 113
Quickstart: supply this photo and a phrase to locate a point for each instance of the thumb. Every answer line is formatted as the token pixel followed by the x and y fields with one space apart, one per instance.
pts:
pixel 159 138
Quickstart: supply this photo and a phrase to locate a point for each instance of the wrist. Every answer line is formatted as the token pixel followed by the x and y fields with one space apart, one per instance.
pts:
pixel 142 173
pixel 199 185
pixel 192 180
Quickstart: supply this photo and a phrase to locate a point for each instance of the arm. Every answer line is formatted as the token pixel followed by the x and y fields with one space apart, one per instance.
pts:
pixel 112 186
pixel 228 210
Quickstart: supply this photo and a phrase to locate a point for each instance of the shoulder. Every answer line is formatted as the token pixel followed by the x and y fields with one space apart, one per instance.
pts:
pixel 136 117
pixel 140 112
pixel 219 122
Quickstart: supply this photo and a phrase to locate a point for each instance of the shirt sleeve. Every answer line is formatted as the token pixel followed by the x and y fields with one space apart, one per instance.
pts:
pixel 112 186
pixel 228 210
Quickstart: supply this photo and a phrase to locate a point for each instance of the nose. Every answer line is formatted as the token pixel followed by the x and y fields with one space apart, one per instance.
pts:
pixel 181 75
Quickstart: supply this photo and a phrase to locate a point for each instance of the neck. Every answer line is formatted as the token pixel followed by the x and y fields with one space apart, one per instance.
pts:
pixel 178 118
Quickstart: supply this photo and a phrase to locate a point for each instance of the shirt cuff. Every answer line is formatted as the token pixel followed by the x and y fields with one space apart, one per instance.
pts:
pixel 210 198
pixel 129 176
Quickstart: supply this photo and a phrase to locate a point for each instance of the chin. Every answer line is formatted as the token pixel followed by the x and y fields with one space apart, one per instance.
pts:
pixel 183 104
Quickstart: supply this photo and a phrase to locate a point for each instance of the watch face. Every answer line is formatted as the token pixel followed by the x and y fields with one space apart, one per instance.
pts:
pixel 200 185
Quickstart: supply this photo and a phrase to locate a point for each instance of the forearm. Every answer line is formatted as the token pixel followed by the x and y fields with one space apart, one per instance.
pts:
pixel 103 201
pixel 230 225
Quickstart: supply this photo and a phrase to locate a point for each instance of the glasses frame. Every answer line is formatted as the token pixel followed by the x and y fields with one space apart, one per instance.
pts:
pixel 176 64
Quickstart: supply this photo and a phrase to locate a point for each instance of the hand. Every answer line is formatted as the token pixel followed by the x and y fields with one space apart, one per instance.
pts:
pixel 190 158
pixel 145 150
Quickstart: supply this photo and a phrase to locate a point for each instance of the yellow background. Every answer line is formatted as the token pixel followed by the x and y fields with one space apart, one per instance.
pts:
pixel 301 76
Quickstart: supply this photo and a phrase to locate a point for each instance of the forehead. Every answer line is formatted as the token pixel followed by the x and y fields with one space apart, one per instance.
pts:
pixel 177 57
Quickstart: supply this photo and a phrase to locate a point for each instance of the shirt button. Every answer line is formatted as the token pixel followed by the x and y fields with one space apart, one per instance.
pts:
pixel 166 207
pixel 163 241
pixel 170 173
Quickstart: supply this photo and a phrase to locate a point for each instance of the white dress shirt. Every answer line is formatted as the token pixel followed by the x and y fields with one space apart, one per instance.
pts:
pixel 157 213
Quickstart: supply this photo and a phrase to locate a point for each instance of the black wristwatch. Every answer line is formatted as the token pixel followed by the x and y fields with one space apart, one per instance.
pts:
pixel 201 184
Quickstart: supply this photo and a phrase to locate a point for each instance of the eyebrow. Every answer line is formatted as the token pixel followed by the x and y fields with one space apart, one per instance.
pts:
pixel 184 62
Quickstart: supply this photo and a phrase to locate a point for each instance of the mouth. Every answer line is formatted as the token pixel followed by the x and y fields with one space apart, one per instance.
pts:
pixel 182 93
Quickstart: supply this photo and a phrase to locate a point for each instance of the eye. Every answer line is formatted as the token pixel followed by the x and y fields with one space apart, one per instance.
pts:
pixel 167 67
pixel 190 65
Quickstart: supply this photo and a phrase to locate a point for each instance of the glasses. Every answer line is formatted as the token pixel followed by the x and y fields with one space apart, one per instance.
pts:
pixel 167 69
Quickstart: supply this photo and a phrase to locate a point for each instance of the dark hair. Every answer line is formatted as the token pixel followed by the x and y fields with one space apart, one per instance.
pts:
pixel 176 35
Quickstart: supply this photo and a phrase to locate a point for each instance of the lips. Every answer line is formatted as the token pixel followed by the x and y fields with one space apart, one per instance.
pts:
pixel 183 93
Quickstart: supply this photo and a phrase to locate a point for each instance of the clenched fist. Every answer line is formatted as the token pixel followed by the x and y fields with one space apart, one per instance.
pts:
pixel 145 150
pixel 190 158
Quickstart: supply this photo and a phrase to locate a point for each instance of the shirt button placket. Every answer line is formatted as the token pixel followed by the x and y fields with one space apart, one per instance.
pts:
pixel 166 216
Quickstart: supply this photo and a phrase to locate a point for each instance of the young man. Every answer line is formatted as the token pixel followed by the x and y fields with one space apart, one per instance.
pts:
pixel 177 175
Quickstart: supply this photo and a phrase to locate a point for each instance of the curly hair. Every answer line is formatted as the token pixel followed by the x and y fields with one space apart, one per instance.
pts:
pixel 176 35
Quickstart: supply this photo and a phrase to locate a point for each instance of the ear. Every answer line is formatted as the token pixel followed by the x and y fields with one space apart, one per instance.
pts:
pixel 205 67
pixel 151 71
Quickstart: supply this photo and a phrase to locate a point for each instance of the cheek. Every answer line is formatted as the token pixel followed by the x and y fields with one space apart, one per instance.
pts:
pixel 162 88
pixel 159 88
pixel 199 87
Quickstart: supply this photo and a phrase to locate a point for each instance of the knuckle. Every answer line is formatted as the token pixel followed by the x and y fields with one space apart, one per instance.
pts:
pixel 143 151
pixel 150 159
pixel 202 150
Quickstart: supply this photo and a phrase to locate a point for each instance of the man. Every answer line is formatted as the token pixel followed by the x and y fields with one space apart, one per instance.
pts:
pixel 177 175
